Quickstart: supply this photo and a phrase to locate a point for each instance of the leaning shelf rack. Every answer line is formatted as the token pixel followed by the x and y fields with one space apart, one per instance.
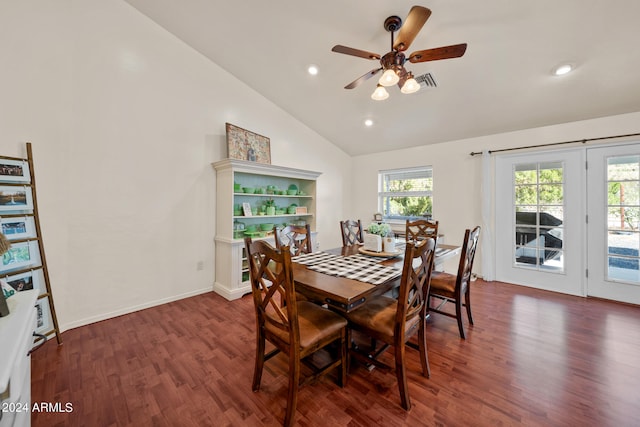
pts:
pixel 24 266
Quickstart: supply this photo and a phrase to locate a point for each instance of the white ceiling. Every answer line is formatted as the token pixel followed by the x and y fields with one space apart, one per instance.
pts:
pixel 502 83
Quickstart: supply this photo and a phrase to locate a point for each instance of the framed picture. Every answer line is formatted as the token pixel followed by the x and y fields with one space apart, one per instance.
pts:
pixel 20 255
pixel 14 198
pixel 14 171
pixel 246 209
pixel 43 316
pixel 246 145
pixel 16 228
pixel 301 210
pixel 26 281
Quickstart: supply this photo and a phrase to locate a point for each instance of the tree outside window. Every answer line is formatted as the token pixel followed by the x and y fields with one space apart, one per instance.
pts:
pixel 406 193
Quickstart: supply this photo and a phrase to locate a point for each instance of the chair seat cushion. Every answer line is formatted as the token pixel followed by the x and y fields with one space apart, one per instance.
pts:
pixel 379 314
pixel 315 323
pixel 443 283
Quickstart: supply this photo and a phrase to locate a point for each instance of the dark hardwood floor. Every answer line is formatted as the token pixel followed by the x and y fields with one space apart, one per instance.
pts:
pixel 533 358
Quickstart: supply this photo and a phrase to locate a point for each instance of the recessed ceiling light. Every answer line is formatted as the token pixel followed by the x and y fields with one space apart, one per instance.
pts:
pixel 313 69
pixel 562 69
pixel 368 122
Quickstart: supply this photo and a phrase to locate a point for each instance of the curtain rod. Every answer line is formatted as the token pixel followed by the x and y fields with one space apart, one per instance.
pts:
pixel 584 141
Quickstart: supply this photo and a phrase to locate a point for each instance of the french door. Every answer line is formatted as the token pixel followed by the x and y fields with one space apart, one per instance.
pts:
pixel 540 220
pixel 568 228
pixel 613 208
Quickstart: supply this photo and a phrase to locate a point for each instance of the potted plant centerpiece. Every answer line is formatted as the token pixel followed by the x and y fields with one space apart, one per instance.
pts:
pixel 379 236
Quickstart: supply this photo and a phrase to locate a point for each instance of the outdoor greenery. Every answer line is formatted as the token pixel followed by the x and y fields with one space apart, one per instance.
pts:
pixel 408 205
pixel 543 187
pixel 623 196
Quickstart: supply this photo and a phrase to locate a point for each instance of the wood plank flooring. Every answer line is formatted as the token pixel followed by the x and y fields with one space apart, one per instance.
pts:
pixel 533 358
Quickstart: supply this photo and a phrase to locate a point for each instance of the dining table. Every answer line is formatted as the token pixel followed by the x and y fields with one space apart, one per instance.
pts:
pixel 344 278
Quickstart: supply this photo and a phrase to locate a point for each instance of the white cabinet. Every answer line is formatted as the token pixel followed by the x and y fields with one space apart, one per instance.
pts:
pixel 232 276
pixel 16 336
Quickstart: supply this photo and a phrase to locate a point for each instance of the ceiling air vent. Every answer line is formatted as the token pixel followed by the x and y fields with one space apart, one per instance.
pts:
pixel 426 81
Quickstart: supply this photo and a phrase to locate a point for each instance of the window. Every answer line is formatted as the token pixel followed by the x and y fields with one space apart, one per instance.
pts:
pixel 623 217
pixel 539 215
pixel 405 193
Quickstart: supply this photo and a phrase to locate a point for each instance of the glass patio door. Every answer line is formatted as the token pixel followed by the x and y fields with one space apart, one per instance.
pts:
pixel 539 220
pixel 613 208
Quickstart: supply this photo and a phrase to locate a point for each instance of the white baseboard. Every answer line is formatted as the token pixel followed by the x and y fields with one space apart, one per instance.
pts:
pixel 128 310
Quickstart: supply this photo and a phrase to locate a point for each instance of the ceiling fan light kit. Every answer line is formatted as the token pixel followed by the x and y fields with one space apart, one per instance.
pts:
pixel 380 94
pixel 393 62
pixel 410 85
pixel 389 78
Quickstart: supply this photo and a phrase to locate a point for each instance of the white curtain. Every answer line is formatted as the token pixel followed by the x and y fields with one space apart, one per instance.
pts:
pixel 486 238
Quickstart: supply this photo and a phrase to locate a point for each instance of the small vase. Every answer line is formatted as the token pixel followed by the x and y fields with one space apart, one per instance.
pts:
pixel 389 244
pixel 271 210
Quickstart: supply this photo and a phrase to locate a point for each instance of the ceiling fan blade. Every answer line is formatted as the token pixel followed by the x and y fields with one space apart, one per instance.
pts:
pixel 446 52
pixel 355 52
pixel 363 78
pixel 418 15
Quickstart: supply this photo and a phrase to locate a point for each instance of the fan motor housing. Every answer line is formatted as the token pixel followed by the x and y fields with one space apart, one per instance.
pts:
pixel 393 60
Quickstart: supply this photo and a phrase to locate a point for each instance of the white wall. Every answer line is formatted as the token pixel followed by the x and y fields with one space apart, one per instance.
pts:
pixel 457 175
pixel 125 121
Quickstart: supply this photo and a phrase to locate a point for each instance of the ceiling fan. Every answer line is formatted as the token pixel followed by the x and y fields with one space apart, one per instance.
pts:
pixel 393 62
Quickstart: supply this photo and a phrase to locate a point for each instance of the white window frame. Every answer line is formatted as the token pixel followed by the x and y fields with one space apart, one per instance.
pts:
pixel 415 172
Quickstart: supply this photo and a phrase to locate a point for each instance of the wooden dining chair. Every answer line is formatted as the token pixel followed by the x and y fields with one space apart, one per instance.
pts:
pixel 351 231
pixel 297 238
pixel 421 229
pixel 393 321
pixel 448 287
pixel 297 328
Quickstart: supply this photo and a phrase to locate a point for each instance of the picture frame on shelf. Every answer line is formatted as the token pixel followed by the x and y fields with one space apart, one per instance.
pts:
pixel 15 198
pixel 43 316
pixel 246 209
pixel 16 228
pixel 14 171
pixel 20 255
pixel 301 210
pixel 246 145
pixel 26 281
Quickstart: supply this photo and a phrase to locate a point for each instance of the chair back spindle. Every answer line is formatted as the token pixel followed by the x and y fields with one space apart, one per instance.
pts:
pixel 351 231
pixel 421 229
pixel 297 238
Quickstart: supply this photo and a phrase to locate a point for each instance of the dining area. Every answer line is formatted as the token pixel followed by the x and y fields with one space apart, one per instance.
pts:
pixel 352 304
pixel 191 362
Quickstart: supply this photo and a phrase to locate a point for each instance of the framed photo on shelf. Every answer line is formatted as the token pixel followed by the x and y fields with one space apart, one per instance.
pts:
pixel 16 228
pixel 43 316
pixel 246 209
pixel 15 198
pixel 20 255
pixel 246 145
pixel 301 210
pixel 14 171
pixel 26 281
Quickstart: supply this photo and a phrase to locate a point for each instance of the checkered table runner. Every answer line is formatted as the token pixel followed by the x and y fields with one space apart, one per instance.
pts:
pixel 314 258
pixel 351 267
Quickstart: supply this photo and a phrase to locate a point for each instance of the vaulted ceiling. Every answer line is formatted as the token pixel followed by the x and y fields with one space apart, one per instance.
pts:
pixel 504 82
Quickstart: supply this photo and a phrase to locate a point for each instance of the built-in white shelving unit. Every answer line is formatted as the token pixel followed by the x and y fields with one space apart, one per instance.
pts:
pixel 232 275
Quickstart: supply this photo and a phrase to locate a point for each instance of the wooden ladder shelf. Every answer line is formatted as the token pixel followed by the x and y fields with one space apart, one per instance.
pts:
pixel 25 265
